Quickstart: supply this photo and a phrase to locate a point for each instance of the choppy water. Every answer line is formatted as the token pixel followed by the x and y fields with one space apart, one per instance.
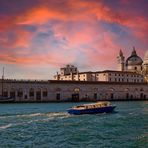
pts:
pixel 48 125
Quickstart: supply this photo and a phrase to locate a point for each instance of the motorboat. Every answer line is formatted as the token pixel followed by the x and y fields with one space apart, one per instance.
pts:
pixel 93 108
pixel 6 99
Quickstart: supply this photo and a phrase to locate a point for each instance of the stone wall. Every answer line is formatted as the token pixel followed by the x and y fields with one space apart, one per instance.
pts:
pixel 36 91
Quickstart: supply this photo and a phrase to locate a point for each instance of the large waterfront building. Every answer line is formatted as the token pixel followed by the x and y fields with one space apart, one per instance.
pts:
pixel 53 90
pixel 131 70
pixel 127 83
pixel 107 75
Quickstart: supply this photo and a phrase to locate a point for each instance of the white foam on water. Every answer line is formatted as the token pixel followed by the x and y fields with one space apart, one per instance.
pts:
pixel 5 126
pixel 50 114
pixel 3 117
pixel 30 115
pixel 58 114
pixel 22 115
pixel 55 115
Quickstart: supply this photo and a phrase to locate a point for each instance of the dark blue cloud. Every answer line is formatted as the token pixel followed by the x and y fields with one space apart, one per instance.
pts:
pixel 14 7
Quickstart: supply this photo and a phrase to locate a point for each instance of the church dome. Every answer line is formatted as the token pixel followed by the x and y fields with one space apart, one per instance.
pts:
pixel 134 59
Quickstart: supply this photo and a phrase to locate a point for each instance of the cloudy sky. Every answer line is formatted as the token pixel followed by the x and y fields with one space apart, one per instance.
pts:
pixel 37 37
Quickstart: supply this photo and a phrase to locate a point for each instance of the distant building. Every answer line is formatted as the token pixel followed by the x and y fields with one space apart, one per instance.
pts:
pixel 131 70
pixel 107 75
pixel 133 64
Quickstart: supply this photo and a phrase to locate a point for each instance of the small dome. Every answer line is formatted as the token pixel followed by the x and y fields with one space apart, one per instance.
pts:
pixel 134 59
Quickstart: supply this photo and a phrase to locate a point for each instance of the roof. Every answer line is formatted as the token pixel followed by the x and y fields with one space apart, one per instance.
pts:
pixel 72 82
pixel 114 71
pixel 93 82
pixel 134 59
pixel 105 71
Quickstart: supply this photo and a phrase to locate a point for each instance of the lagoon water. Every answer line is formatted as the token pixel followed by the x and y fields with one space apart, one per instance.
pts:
pixel 48 125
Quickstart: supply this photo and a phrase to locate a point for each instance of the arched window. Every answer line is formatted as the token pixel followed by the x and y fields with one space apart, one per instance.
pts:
pixel 20 93
pixel 76 90
pixel 45 92
pixel 38 94
pixel 127 89
pixel 5 93
pixel 12 93
pixel 31 92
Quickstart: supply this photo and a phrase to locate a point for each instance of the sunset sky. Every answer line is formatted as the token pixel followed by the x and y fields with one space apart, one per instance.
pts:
pixel 37 37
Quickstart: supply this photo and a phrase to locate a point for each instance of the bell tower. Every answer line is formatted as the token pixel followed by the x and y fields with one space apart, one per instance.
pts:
pixel 121 62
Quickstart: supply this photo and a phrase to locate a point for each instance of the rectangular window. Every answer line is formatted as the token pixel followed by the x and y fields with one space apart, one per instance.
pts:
pixel 45 93
pixel 95 96
pixel 31 93
pixel 112 96
pixel 12 94
pixel 58 96
pixel 19 93
pixel 5 94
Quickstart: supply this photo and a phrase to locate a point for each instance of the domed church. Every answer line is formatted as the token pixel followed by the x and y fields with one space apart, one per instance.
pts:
pixel 133 63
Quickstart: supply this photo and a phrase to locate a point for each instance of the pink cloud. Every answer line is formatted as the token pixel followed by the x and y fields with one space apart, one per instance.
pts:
pixel 78 27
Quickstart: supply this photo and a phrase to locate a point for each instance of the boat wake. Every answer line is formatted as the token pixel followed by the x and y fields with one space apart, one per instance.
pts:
pixel 19 115
pixel 49 114
pixel 56 115
pixel 5 126
pixel 30 115
pixel 29 118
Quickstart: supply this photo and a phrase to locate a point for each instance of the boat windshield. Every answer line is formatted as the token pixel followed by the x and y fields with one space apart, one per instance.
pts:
pixel 80 106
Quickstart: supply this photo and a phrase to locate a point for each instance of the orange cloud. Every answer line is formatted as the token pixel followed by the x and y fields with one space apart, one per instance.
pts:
pixel 78 24
pixel 23 39
pixel 84 11
pixel 40 16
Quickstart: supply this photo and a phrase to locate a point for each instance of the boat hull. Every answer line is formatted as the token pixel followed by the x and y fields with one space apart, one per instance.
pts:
pixel 6 99
pixel 107 109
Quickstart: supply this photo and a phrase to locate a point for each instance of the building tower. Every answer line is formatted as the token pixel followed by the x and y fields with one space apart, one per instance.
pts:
pixel 145 66
pixel 120 60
